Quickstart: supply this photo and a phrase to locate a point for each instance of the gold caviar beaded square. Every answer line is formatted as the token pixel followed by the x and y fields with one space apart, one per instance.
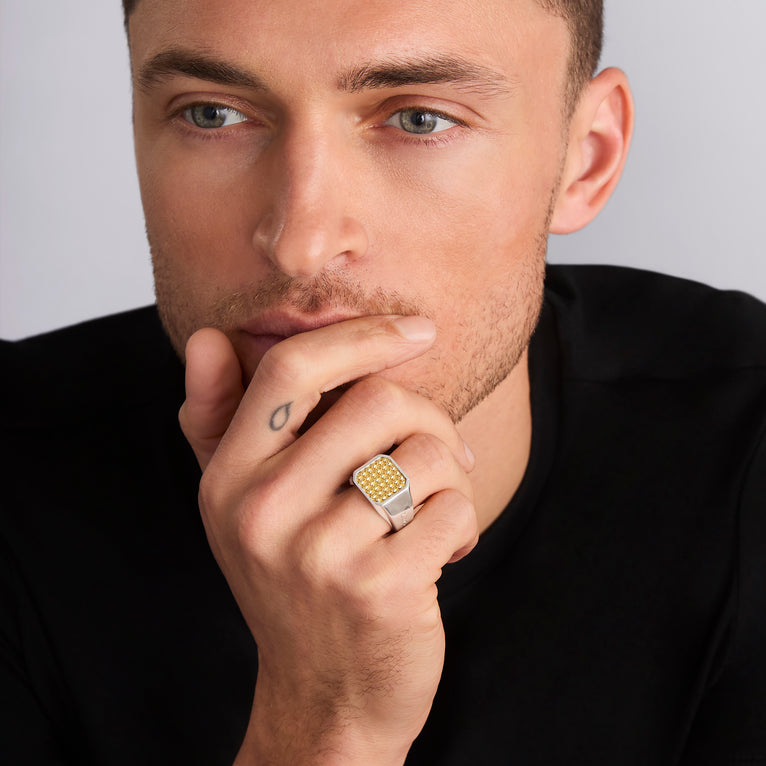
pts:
pixel 381 479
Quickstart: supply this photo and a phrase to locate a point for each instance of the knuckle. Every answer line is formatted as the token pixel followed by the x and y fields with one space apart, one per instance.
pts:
pixel 183 418
pixel 453 524
pixel 286 362
pixel 432 452
pixel 211 495
pixel 368 595
pixel 268 492
pixel 376 395
pixel 261 510
pixel 325 564
pixel 247 517
pixel 310 550
pixel 249 533
pixel 463 514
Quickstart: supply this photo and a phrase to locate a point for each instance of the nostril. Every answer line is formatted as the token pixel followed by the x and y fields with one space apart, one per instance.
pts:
pixel 306 242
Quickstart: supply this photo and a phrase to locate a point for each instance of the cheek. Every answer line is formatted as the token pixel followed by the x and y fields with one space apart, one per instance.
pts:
pixel 197 216
pixel 469 223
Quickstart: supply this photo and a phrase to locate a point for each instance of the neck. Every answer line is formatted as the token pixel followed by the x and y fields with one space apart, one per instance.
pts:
pixel 499 431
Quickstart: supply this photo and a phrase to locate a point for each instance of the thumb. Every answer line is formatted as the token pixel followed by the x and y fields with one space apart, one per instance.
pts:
pixel 213 391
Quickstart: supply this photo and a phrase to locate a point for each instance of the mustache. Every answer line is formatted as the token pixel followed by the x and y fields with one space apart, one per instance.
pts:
pixel 308 296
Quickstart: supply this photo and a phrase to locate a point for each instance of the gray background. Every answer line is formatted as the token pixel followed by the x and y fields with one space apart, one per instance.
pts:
pixel 71 233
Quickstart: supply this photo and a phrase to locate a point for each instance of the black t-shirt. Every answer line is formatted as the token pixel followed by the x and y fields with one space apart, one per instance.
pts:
pixel 615 613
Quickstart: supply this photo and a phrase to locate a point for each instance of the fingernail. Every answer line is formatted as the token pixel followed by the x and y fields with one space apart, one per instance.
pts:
pixel 416 329
pixel 469 454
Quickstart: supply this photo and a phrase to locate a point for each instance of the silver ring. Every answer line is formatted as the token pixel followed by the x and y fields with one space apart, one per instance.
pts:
pixel 387 488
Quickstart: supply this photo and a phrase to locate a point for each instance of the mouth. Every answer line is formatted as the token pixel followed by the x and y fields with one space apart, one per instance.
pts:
pixel 259 335
pixel 254 338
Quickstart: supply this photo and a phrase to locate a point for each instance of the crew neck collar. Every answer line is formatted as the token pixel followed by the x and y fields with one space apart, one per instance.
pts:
pixel 497 541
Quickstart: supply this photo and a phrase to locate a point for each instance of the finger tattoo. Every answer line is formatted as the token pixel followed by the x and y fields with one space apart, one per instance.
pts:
pixel 280 417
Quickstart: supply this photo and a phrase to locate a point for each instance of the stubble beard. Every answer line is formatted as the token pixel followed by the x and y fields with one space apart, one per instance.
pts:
pixel 488 346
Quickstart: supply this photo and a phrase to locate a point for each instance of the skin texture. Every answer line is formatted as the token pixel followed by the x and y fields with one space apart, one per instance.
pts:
pixel 270 191
pixel 586 25
pixel 298 234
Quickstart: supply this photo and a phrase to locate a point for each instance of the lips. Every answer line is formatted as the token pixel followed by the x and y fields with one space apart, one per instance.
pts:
pixel 260 344
pixel 283 324
pixel 260 334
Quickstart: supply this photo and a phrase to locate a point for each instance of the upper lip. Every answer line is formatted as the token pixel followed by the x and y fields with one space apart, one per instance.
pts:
pixel 284 324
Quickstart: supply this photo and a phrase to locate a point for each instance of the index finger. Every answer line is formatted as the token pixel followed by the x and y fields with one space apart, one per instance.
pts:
pixel 292 376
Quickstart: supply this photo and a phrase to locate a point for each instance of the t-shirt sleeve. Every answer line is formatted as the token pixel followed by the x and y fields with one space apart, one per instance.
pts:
pixel 730 727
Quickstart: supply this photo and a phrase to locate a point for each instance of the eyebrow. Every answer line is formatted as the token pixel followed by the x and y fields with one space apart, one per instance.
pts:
pixel 176 61
pixel 431 70
pixel 388 73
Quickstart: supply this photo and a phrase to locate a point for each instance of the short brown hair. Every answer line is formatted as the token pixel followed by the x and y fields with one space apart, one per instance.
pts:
pixel 585 19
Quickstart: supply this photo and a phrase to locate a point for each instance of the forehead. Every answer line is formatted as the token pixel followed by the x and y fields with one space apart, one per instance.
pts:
pixel 320 38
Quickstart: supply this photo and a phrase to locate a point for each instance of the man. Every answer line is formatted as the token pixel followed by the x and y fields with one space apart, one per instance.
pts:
pixel 348 204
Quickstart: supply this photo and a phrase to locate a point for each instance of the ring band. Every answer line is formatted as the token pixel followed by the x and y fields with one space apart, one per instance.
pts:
pixel 387 488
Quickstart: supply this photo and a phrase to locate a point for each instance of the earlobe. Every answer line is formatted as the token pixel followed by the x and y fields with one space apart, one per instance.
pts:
pixel 600 134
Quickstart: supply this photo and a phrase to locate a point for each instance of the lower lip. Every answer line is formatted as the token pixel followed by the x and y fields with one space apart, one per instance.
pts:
pixel 260 344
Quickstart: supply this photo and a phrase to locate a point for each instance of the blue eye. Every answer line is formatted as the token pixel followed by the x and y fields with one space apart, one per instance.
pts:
pixel 209 116
pixel 420 121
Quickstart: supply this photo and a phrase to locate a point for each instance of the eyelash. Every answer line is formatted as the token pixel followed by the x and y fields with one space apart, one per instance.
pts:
pixel 426 140
pixel 177 116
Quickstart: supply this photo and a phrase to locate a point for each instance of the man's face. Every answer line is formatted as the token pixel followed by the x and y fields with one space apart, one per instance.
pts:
pixel 305 162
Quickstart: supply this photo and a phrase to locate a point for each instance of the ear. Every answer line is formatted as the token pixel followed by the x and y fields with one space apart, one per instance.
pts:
pixel 599 138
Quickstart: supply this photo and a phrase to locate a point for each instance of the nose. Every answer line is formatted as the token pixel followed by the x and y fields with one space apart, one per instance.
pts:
pixel 310 216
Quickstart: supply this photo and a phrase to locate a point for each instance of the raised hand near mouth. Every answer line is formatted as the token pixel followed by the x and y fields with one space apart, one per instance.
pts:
pixel 344 614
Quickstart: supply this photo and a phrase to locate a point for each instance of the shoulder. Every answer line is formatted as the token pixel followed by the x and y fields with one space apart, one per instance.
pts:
pixel 620 322
pixel 90 439
pixel 85 370
pixel 663 379
pixel 661 464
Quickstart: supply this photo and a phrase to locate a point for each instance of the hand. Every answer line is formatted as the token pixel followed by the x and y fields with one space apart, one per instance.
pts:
pixel 344 615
